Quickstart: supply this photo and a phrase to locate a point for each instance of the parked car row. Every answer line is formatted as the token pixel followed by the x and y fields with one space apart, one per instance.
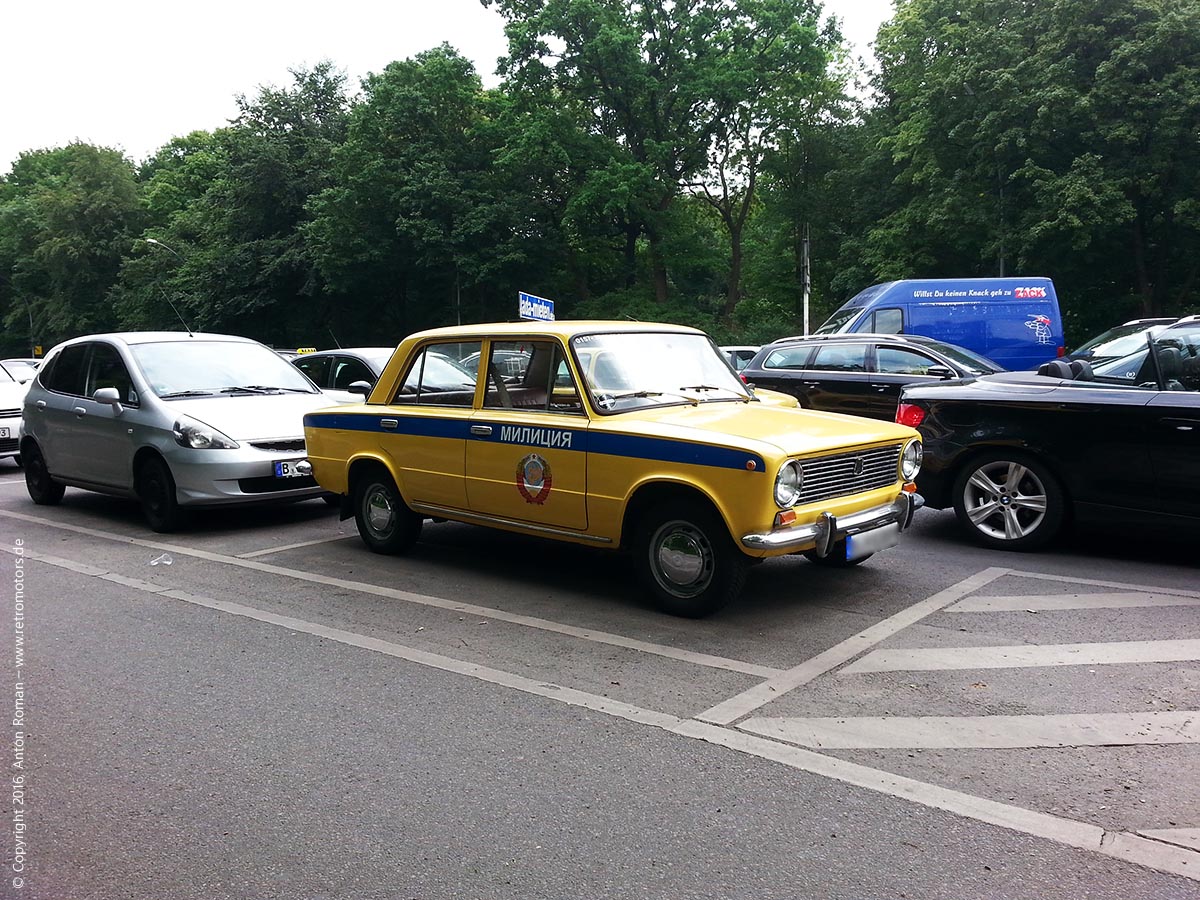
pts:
pixel 623 434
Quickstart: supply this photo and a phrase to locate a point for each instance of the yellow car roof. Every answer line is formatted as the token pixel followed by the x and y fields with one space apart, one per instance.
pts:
pixel 564 329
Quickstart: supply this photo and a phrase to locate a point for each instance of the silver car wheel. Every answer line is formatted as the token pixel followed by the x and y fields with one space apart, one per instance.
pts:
pixel 682 559
pixel 380 513
pixel 1005 500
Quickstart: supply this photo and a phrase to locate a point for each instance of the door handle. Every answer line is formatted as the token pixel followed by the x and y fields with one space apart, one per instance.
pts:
pixel 80 412
pixel 881 387
pixel 1184 425
pixel 41 405
pixel 481 430
pixel 388 423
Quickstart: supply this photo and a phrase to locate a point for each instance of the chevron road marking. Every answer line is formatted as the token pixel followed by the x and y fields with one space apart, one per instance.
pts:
pixel 979 732
pixel 1025 656
pixel 1046 602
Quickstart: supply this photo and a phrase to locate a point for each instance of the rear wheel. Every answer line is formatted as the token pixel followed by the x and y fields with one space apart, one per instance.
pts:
pixel 43 490
pixel 385 523
pixel 1009 501
pixel 687 560
pixel 156 491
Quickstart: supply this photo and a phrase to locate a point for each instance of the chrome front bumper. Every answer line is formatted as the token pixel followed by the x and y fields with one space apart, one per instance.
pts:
pixel 824 533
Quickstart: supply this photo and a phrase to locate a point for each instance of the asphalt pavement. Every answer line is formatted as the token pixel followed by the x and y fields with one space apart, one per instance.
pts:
pixel 258 707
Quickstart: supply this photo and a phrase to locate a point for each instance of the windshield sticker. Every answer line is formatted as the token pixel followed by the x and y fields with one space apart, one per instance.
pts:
pixel 534 479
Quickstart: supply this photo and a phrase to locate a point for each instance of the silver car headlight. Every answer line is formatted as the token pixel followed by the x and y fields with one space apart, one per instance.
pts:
pixel 788 483
pixel 910 460
pixel 194 434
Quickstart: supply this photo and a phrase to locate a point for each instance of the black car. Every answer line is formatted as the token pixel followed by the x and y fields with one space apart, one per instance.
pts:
pixel 859 374
pixel 1021 454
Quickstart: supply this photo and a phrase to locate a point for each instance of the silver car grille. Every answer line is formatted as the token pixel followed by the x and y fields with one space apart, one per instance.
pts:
pixel 9 413
pixel 848 473
pixel 291 445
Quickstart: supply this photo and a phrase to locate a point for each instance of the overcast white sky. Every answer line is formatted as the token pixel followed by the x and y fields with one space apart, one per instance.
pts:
pixel 134 74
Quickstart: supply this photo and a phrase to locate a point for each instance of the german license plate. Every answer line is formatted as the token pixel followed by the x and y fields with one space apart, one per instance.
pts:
pixel 290 469
pixel 4 433
pixel 868 542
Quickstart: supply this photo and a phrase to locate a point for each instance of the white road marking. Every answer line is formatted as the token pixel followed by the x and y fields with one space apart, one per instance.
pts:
pixel 328 540
pixel 1119 585
pixel 1025 656
pixel 773 688
pixel 979 732
pixel 1044 602
pixel 587 634
pixel 9 482
pixel 1182 837
pixel 1153 854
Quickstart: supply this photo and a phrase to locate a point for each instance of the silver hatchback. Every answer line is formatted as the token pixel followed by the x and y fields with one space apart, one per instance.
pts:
pixel 173 419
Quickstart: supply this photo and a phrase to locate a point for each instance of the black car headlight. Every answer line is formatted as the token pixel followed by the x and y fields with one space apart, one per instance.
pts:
pixel 910 460
pixel 788 483
pixel 195 435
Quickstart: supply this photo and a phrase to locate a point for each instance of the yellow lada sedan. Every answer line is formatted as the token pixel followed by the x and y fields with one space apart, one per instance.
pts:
pixel 612 434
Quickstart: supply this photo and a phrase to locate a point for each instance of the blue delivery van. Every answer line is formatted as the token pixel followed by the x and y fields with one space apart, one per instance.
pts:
pixel 1013 321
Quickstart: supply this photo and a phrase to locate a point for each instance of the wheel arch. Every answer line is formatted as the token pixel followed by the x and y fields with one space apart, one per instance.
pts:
pixel 652 493
pixel 359 466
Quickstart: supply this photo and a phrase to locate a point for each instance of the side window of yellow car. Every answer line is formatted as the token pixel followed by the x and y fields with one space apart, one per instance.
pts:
pixel 441 375
pixel 530 375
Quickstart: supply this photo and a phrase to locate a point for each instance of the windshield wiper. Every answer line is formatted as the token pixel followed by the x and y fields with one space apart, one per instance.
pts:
pixel 613 398
pixel 173 394
pixel 249 389
pixel 711 387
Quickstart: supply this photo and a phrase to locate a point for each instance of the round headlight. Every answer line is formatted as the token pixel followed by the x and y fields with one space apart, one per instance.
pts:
pixel 787 484
pixel 910 462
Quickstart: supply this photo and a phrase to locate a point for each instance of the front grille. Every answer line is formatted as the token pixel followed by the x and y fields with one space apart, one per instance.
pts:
pixel 9 413
pixel 8 444
pixel 292 445
pixel 269 484
pixel 833 476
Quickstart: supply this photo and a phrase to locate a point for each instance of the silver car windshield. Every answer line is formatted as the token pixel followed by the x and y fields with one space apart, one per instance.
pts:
pixel 637 370
pixel 196 368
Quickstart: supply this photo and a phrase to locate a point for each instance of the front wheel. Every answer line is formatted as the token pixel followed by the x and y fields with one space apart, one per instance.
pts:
pixel 1009 501
pixel 385 523
pixel 156 491
pixel 685 556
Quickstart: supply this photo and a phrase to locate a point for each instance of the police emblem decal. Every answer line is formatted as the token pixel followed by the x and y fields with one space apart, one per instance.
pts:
pixel 534 479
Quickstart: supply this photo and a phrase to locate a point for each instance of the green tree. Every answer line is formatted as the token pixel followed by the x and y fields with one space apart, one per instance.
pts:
pixel 67 216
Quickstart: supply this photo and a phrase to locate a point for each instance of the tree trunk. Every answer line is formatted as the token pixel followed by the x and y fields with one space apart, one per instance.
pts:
pixel 733 292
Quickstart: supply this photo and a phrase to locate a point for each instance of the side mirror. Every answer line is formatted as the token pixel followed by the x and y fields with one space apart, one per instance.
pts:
pixel 109 395
pixel 941 372
pixel 360 387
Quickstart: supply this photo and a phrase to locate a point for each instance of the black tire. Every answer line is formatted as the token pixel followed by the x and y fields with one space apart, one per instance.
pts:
pixel 43 489
pixel 385 523
pixel 156 491
pixel 686 559
pixel 836 558
pixel 1007 500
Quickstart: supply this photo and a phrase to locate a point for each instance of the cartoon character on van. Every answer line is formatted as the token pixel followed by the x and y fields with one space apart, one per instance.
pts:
pixel 1041 328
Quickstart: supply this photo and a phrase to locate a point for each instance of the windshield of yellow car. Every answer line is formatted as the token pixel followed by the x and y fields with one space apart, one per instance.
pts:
pixel 635 370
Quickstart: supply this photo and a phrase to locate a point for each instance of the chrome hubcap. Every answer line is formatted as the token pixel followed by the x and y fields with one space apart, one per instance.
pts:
pixel 1005 500
pixel 682 559
pixel 380 514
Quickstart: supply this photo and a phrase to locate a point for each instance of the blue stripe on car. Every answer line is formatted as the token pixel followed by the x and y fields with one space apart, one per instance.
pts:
pixel 575 439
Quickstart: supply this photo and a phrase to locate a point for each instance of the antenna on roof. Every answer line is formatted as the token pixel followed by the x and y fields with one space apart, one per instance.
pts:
pixel 334 336
pixel 158 243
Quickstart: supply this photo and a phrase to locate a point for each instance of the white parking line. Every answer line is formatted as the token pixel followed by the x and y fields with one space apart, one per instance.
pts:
pixel 329 540
pixel 1091 582
pixel 1181 837
pixel 1154 854
pixel 746 702
pixel 980 732
pixel 1025 656
pixel 587 634
pixel 1046 602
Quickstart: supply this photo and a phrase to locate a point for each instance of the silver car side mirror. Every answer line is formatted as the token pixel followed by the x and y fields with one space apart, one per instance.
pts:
pixel 109 395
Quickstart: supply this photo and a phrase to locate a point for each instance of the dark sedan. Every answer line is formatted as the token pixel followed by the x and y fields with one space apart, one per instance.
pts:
pixel 1019 455
pixel 859 374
